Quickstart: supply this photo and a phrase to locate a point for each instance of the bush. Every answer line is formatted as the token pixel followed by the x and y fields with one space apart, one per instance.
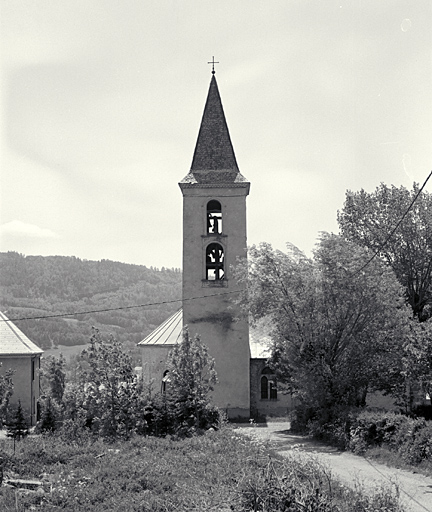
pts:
pixel 303 418
pixel 165 415
pixel 418 443
pixel 411 438
pixel 370 429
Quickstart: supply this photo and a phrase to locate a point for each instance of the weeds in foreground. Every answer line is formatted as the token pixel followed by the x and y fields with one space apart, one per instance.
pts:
pixel 219 471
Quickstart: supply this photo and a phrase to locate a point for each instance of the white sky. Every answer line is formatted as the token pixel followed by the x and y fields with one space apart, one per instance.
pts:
pixel 102 102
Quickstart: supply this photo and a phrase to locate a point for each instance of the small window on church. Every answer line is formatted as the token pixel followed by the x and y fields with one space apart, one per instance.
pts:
pixel 215 262
pixel 268 385
pixel 214 217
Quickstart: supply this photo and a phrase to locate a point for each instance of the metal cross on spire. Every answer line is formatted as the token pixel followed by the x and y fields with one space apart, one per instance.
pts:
pixel 212 62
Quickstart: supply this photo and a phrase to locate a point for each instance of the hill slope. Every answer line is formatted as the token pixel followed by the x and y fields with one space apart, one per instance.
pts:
pixel 46 285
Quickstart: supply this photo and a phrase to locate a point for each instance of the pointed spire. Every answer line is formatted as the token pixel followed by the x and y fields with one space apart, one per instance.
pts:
pixel 213 150
pixel 214 160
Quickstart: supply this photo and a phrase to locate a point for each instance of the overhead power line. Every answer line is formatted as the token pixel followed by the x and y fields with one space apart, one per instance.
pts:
pixel 60 315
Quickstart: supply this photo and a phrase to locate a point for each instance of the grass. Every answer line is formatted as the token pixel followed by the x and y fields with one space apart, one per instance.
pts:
pixel 393 459
pixel 219 471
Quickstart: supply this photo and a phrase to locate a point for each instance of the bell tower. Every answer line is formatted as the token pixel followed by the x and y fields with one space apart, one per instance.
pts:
pixel 214 236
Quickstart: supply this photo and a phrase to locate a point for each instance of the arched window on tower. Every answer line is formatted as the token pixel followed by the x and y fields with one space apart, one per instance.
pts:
pixel 214 217
pixel 268 385
pixel 215 262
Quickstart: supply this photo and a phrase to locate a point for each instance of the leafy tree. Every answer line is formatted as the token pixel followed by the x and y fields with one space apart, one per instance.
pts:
pixel 335 333
pixel 192 376
pixel 54 376
pixel 6 390
pixel 109 388
pixel 417 361
pixel 368 219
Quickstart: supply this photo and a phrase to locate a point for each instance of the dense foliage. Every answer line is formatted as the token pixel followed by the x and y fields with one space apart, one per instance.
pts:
pixel 191 378
pixel 107 396
pixel 417 359
pixel 369 219
pixel 106 399
pixel 396 225
pixel 337 333
pixel 37 286
pixel 219 471
pixel 361 431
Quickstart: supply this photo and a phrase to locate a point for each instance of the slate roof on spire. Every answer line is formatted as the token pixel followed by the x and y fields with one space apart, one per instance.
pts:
pixel 214 160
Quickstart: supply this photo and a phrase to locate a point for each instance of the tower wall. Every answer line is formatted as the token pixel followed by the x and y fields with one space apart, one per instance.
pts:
pixel 214 315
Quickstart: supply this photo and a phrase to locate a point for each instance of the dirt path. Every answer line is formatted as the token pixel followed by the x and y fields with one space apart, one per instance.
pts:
pixel 415 489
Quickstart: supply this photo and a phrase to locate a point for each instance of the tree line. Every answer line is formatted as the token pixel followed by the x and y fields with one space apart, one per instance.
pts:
pixel 41 286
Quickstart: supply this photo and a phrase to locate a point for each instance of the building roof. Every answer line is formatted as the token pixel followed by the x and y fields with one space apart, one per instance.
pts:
pixel 168 333
pixel 13 342
pixel 214 161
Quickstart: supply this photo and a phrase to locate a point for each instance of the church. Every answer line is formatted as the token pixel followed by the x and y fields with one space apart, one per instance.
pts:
pixel 214 237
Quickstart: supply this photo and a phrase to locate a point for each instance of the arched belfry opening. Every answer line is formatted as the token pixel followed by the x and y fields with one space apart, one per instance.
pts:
pixel 215 262
pixel 214 217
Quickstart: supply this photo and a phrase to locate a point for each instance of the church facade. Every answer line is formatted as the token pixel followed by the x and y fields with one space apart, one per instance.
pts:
pixel 214 237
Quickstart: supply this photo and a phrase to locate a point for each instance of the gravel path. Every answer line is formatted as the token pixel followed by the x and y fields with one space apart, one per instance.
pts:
pixel 415 489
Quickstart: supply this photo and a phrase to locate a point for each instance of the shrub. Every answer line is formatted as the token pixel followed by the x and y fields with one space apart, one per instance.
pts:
pixel 166 415
pixel 411 438
pixel 418 445
pixel 369 429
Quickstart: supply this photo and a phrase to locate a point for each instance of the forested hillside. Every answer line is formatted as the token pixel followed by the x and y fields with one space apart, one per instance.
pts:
pixel 37 286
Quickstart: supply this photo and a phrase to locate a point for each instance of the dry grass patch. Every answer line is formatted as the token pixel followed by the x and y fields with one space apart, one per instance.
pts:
pixel 219 471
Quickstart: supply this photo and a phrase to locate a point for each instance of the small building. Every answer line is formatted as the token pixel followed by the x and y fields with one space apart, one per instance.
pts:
pixel 22 356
